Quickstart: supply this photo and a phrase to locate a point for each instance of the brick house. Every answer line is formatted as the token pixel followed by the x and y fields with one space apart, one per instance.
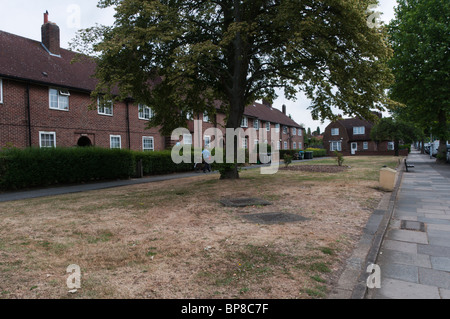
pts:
pixel 352 137
pixel 44 102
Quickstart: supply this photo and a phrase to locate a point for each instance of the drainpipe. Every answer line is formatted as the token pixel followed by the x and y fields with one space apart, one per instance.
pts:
pixel 29 115
pixel 128 124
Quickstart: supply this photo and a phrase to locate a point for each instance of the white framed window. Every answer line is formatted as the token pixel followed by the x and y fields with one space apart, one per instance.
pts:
pixel 278 145
pixel 390 146
pixel 300 132
pixel 244 143
pixel 299 145
pixel 115 141
pixel 366 145
pixel 148 143
pixel 205 117
pixel 207 140
pixel 256 124
pixel 58 99
pixel 335 131
pixel 104 107
pixel 47 139
pixel 244 122
pixel 187 139
pixel 359 130
pixel 285 145
pixel 335 146
pixel 268 126
pixel 294 145
pixel 1 91
pixel 145 112
pixel 277 128
pixel 294 131
pixel 285 129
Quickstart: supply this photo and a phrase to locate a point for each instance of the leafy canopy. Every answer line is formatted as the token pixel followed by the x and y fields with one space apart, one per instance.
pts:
pixel 420 37
pixel 181 57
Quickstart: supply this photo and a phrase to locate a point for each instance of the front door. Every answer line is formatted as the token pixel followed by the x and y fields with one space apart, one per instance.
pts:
pixel 354 148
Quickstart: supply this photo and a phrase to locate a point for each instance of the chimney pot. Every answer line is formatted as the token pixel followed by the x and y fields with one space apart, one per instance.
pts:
pixel 284 109
pixel 46 17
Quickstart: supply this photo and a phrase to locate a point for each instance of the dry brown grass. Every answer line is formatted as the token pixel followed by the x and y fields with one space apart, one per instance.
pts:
pixel 174 239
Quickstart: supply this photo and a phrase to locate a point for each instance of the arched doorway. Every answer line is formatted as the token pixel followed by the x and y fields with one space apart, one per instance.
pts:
pixel 84 141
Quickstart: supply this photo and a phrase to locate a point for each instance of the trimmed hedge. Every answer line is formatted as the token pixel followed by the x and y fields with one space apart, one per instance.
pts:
pixel 317 152
pixel 160 162
pixel 33 167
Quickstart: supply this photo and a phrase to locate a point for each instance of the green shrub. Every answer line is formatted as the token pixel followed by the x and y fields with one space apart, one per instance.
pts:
pixel 317 152
pixel 404 147
pixel 339 158
pixel 33 167
pixel 287 159
pixel 160 162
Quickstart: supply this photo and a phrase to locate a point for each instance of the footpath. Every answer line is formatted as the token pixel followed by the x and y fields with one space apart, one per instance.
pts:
pixel 414 258
pixel 406 241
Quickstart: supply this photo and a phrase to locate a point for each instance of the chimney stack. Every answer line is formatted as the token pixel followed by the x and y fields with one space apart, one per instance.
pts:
pixel 266 103
pixel 50 36
pixel 284 109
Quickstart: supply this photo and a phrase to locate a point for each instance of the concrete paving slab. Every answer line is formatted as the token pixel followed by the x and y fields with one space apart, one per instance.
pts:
pixel 400 246
pixel 440 263
pixel 408 236
pixel 398 289
pixel 406 258
pixel 433 277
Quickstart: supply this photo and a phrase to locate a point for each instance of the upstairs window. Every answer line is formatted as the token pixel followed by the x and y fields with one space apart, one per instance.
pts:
pixel 256 124
pixel 187 139
pixel 359 130
pixel 277 128
pixel 104 107
pixel 335 131
pixel 285 129
pixel 145 112
pixel 294 131
pixel 205 117
pixel 59 99
pixel 244 122
pixel 268 126
pixel 300 132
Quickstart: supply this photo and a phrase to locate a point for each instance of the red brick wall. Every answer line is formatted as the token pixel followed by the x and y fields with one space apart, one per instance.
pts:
pixel 69 125
pixel 80 120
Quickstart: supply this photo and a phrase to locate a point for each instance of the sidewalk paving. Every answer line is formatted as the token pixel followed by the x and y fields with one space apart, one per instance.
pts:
pixel 414 258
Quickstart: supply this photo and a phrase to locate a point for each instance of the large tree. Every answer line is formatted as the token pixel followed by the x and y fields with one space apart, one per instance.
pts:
pixel 420 37
pixel 181 56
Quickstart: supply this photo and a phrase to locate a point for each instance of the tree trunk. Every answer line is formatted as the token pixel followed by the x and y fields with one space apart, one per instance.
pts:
pixel 396 145
pixel 422 146
pixel 442 149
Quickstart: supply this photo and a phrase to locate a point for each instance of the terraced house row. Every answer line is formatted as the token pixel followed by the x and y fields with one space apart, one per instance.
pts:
pixel 44 102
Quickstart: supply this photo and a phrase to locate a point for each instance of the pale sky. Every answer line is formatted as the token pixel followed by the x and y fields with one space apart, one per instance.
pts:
pixel 25 17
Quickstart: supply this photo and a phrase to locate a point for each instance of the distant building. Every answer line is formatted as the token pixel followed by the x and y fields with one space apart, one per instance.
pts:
pixel 352 137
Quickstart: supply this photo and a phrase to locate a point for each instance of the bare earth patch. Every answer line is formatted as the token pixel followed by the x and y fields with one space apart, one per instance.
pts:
pixel 174 239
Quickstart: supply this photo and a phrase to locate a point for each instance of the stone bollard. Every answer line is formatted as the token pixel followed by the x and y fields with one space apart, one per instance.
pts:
pixel 387 178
